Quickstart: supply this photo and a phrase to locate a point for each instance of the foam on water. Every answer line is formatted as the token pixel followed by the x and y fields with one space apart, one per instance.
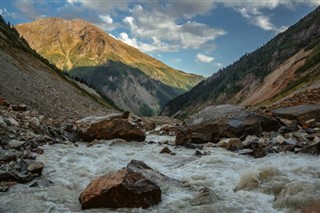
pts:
pixel 276 183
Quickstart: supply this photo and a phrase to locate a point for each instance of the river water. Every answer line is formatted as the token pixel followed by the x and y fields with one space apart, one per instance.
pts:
pixel 277 183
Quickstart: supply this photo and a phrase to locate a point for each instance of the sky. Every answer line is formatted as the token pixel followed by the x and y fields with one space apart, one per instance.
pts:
pixel 198 37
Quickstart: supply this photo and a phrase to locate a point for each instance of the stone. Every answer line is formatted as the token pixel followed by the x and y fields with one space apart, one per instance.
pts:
pixel 42 183
pixel 35 168
pixel 165 150
pixel 11 121
pixel 34 122
pixel 251 123
pixel 301 113
pixel 123 189
pixel 198 134
pixel 198 153
pixel 231 143
pixel 2 123
pixel 313 148
pixel 205 196
pixel 20 107
pixel 7 155
pixel 39 151
pixel 15 176
pixel 113 126
pixel 15 144
pixel 279 139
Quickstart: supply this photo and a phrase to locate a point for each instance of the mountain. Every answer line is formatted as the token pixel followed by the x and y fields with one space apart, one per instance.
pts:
pixel 289 62
pixel 26 77
pixel 132 79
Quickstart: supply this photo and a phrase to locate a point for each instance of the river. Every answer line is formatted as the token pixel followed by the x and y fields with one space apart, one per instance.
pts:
pixel 277 183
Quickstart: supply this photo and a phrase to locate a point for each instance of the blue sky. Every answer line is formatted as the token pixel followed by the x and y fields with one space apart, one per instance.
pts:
pixel 194 36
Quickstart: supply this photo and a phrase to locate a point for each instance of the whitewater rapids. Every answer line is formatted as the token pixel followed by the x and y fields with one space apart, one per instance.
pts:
pixel 277 183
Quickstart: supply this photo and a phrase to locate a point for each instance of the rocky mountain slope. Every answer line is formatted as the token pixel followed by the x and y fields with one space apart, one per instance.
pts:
pixel 287 63
pixel 28 78
pixel 132 79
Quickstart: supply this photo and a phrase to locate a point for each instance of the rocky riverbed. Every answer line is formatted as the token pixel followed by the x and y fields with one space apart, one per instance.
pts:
pixel 222 175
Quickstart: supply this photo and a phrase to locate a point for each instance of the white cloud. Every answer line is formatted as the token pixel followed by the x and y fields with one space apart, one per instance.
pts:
pixel 254 16
pixel 107 19
pixel 125 38
pixel 162 32
pixel 176 60
pixel 204 58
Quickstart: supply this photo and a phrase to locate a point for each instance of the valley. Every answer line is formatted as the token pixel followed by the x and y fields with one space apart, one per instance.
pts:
pixel 89 123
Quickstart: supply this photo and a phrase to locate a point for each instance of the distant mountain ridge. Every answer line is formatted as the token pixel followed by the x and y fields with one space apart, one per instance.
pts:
pixel 288 62
pixel 82 48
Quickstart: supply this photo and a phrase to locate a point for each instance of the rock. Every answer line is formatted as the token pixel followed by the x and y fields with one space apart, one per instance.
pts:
pixel 279 139
pixel 11 121
pixel 258 153
pixel 35 168
pixel 15 144
pixel 124 188
pixel 42 183
pixel 198 153
pixel 301 113
pixel 111 127
pixel 7 156
pixel 205 196
pixel 249 140
pixel 4 188
pixel 39 151
pixel 313 148
pixel 231 143
pixel 34 122
pixel 201 133
pixel 165 150
pixel 156 177
pixel 20 107
pixel 2 123
pixel 15 176
pixel 251 123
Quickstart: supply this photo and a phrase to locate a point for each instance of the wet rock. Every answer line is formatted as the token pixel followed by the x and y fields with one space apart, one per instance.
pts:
pixel 198 153
pixel 205 196
pixel 155 176
pixel 34 122
pixel 111 127
pixel 35 168
pixel 39 151
pixel 4 188
pixel 258 153
pixel 7 155
pixel 42 183
pixel 311 149
pixel 251 123
pixel 11 121
pixel 231 143
pixel 190 146
pixel 124 188
pixel 15 144
pixel 201 133
pixel 301 113
pixel 20 107
pixel 165 150
pixel 15 176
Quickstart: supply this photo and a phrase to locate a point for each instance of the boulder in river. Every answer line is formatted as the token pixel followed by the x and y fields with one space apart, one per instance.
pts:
pixel 110 127
pixel 124 188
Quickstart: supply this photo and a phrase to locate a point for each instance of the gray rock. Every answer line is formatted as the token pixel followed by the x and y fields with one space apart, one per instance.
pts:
pixel 34 122
pixel 15 144
pixel 7 156
pixel 11 121
pixel 205 196
pixel 301 113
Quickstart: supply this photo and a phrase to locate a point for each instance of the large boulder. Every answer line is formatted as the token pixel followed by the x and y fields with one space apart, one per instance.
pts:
pixel 201 133
pixel 125 188
pixel 110 127
pixel 232 123
pixel 301 113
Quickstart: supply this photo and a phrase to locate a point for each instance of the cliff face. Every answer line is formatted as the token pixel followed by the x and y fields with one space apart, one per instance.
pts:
pixel 27 78
pixel 89 53
pixel 288 62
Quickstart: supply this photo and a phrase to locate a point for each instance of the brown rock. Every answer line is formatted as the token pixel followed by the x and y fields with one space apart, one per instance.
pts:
pixel 231 143
pixel 201 133
pixel 301 113
pixel 20 107
pixel 109 128
pixel 124 188
pixel 165 150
